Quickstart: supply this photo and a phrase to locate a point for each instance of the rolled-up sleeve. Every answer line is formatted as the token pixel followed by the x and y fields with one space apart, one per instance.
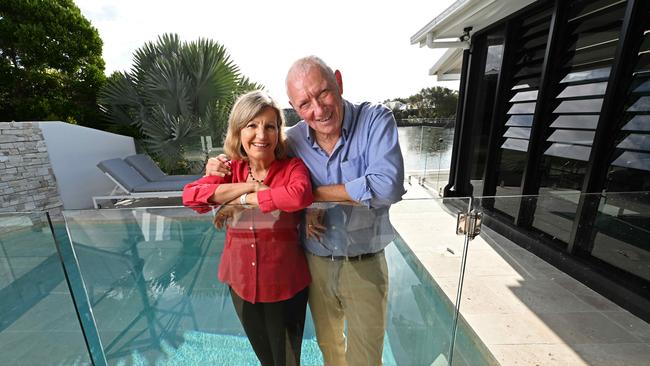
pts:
pixel 383 181
pixel 294 196
pixel 196 195
pixel 359 190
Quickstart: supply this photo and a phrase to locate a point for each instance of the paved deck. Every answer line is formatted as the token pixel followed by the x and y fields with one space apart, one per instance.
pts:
pixel 524 310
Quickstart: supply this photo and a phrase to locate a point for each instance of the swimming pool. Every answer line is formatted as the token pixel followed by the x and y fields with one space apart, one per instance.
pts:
pixel 149 276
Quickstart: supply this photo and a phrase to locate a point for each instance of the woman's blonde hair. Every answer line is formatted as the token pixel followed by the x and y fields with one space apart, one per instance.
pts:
pixel 245 109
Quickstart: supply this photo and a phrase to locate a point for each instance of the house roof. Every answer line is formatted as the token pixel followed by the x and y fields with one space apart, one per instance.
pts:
pixel 445 30
pixel 449 65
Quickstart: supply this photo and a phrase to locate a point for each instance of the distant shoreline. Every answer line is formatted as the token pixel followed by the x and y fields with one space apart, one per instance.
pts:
pixel 431 122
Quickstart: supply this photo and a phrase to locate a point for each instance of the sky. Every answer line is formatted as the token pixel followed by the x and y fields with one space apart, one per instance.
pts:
pixel 368 41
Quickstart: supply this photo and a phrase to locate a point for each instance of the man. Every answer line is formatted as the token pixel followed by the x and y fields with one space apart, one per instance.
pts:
pixel 353 154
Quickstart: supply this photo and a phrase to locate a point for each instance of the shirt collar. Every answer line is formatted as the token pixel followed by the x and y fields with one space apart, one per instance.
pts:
pixel 347 119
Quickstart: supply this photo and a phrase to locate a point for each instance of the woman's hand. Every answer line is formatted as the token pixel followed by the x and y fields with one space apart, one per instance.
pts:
pixel 314 225
pixel 261 187
pixel 219 166
pixel 225 213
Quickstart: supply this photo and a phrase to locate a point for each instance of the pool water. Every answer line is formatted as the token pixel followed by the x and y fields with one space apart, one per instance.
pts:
pixel 156 300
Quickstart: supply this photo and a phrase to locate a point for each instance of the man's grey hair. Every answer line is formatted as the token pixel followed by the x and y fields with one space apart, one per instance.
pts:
pixel 305 63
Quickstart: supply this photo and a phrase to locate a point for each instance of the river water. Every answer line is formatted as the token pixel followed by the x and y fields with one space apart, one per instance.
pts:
pixel 426 148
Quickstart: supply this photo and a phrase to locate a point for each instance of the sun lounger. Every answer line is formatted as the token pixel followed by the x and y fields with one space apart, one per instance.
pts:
pixel 151 172
pixel 130 184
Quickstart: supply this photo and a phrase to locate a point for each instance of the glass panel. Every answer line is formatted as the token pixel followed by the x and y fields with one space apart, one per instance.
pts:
pixel 511 158
pixel 587 8
pixel 531 70
pixel 584 90
pixel 634 160
pixel 421 297
pixel 540 17
pixel 645 46
pixel 515 144
pixel 595 74
pixel 635 142
pixel 638 123
pixel 573 137
pixel 569 151
pixel 580 106
pixel 536 42
pixel 510 175
pixel 518 287
pixel 484 92
pixel 526 83
pixel 38 321
pixel 522 108
pixel 643 88
pixel 524 96
pixel 150 281
pixel 530 56
pixel 622 232
pixel 427 155
pixel 542 27
pixel 629 169
pixel 560 174
pixel 518 132
pixel 593 55
pixel 582 122
pixel 151 276
pixel 641 105
pixel 494 59
pixel 644 63
pixel 610 18
pixel 520 121
pixel 591 39
pixel 555 212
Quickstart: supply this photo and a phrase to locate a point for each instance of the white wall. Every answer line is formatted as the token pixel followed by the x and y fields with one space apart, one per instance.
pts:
pixel 74 153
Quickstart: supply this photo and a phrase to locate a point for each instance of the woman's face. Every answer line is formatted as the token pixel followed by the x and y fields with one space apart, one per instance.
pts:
pixel 259 137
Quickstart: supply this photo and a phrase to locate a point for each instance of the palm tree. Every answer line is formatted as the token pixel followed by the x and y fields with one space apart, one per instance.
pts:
pixel 175 93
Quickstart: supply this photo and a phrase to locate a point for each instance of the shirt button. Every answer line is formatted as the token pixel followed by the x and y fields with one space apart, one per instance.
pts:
pixel 250 228
pixel 333 227
pixel 252 245
pixel 253 263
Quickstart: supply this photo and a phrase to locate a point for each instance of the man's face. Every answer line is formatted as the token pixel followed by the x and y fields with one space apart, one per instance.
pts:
pixel 316 99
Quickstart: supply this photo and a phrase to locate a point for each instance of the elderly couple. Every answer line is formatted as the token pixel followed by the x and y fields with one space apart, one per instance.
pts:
pixel 342 152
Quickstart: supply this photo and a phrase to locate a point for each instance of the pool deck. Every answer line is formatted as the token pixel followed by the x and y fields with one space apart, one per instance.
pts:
pixel 523 309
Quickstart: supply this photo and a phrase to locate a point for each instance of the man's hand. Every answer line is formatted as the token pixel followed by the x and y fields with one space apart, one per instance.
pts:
pixel 219 166
pixel 314 218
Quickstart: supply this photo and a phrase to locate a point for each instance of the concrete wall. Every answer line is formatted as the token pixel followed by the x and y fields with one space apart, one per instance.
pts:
pixel 74 152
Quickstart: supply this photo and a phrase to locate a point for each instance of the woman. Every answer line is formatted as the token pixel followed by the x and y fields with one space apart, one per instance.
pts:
pixel 262 260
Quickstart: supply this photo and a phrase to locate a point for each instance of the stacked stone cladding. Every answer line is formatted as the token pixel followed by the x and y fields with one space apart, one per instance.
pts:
pixel 27 181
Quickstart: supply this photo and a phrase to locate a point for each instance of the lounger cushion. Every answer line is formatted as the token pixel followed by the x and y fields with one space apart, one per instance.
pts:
pixel 123 173
pixel 150 171
pixel 165 186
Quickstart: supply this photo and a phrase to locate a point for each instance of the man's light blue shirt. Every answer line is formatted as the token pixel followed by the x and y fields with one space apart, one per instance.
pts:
pixel 367 159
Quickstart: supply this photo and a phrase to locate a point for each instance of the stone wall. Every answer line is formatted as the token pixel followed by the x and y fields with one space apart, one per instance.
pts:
pixel 27 182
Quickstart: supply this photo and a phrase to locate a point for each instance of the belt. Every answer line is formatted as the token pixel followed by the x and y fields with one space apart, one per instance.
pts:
pixel 354 258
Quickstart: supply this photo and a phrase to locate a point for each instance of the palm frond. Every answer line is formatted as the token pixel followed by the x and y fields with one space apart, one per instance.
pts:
pixel 174 93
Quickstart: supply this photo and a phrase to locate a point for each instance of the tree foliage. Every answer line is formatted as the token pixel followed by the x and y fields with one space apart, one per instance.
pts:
pixel 50 62
pixel 175 93
pixel 435 102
